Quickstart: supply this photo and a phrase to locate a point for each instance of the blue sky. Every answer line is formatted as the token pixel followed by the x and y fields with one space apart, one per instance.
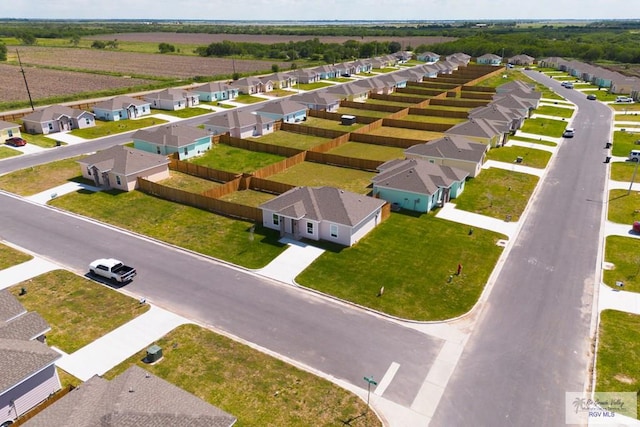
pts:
pixel 322 9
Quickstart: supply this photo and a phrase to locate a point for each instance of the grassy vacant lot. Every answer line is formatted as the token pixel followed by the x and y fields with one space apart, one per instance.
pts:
pixel 623 171
pixel 536 141
pixel 312 86
pixel 618 364
pixel 316 174
pixel 330 124
pixel 530 157
pixel 497 193
pixel 248 197
pixel 185 113
pixel 10 257
pixel 624 208
pixel 422 135
pixel 624 142
pixel 624 253
pixel 547 127
pixel 232 159
pixel 6 152
pixel 78 310
pixel 195 229
pixel 256 388
pixel 291 139
pixel 190 183
pixel 360 150
pixel 412 256
pixel 555 111
pixel 109 128
pixel 27 182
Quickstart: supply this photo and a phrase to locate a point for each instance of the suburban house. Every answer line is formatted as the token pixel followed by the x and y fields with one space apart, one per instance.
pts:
pixel 350 92
pixel 119 167
pixel 363 65
pixel 453 151
pixel 521 59
pixel 403 56
pixel 8 130
pixel 516 85
pixel 394 80
pixel 173 99
pixel 460 58
pixel 216 91
pixel 322 213
pixel 57 118
pixel 375 85
pixel 530 97
pixel 416 184
pixel 316 100
pixel 325 72
pixel 428 57
pixel 489 59
pixel 28 374
pixel 281 80
pixel 512 102
pixel 134 398
pixel 429 71
pixel 307 76
pixel 121 108
pixel 187 141
pixel 481 130
pixel 624 85
pixel 498 113
pixel 286 110
pixel 253 85
pixel 411 75
pixel 239 124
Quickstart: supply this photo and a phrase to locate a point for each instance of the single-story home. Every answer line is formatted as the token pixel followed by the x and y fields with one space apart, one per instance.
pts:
pixel 173 99
pixel 239 124
pixel 57 118
pixel 136 397
pixel 253 85
pixel 281 80
pixel 216 91
pixel 416 184
pixel 325 72
pixel 121 108
pixel 187 141
pixel 350 92
pixel 27 365
pixel 119 167
pixel 453 151
pixel 521 59
pixel 316 100
pixel 307 76
pixel 8 130
pixel 286 110
pixel 489 59
pixel 428 57
pixel 499 113
pixel 323 213
pixel 481 130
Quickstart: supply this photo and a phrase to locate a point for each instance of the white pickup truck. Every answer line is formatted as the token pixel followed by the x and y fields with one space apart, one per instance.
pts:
pixel 112 269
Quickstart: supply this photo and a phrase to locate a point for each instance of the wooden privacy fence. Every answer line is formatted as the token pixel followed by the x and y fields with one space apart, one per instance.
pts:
pixel 432 85
pixel 310 130
pixel 397 98
pixel 377 124
pixel 42 406
pixel 371 107
pixel 261 147
pixel 488 89
pixel 385 141
pixel 224 189
pixel 419 91
pixel 268 186
pixel 201 201
pixel 337 116
pixel 438 113
pixel 334 143
pixel 201 171
pixel 410 124
pixel 466 103
pixel 342 161
pixel 280 166
pixel 476 95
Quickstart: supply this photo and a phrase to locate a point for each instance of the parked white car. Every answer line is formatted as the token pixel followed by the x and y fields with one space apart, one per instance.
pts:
pixel 624 99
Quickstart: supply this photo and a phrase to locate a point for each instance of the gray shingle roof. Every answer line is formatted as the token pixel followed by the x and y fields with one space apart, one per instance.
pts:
pixel 173 135
pixel 324 204
pixel 283 107
pixel 212 87
pixel 8 125
pixel 237 119
pixel 123 160
pixel 171 94
pixel 475 127
pixel 28 326
pixel 119 103
pixel 53 112
pixel 19 359
pixel 417 176
pixel 450 147
pixel 10 307
pixel 135 398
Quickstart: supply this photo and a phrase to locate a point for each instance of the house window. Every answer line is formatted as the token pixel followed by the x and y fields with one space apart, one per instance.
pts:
pixel 87 121
pixel 276 219
pixel 50 126
pixel 309 228
pixel 268 127
pixel 88 171
pixel 333 230
pixel 118 180
pixel 186 150
pixel 158 150
pixel 10 133
pixel 120 114
pixel 144 109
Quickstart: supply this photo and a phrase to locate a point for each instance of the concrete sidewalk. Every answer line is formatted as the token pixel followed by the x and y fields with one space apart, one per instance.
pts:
pixel 70 187
pixel 538 137
pixel 293 261
pixel 474 220
pixel 120 344
pixel 19 273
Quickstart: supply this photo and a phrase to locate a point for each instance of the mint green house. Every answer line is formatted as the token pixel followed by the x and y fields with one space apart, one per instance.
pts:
pixel 187 141
pixel 417 185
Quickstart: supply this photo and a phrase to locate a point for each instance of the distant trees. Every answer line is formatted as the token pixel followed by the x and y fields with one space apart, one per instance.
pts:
pixel 275 68
pixel 75 40
pixel 27 38
pixel 98 44
pixel 3 52
pixel 166 48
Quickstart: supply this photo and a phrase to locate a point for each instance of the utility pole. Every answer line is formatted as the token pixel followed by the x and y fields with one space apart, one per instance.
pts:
pixel 24 76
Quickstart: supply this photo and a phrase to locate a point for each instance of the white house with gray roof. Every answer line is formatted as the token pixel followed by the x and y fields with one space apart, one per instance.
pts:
pixel 121 108
pixel 316 100
pixel 286 110
pixel 491 133
pixel 416 184
pixel 173 99
pixel 216 91
pixel 8 130
pixel 239 124
pixel 135 398
pixel 57 118
pixel 186 141
pixel 28 374
pixel 322 213
pixel 454 151
pixel 119 167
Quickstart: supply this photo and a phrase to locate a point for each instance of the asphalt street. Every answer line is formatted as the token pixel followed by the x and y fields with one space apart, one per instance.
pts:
pixel 532 340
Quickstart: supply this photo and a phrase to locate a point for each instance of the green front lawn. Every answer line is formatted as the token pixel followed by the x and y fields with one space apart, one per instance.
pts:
pixel 623 171
pixel 548 127
pixel 624 206
pixel 361 150
pixel 232 159
pixel 555 111
pixel 258 389
pixel 624 253
pixel 44 141
pixel 27 182
pixel 103 128
pixel 618 362
pixel 626 107
pixel 185 113
pixel 78 310
pixel 194 229
pixel 317 174
pixel 536 141
pixel 626 118
pixel 624 142
pixel 497 193
pixel 6 152
pixel 247 99
pixel 530 157
pixel 312 86
pixel 10 257
pixel 414 257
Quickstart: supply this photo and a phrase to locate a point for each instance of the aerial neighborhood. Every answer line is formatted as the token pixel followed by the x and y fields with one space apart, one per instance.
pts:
pixel 341 202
